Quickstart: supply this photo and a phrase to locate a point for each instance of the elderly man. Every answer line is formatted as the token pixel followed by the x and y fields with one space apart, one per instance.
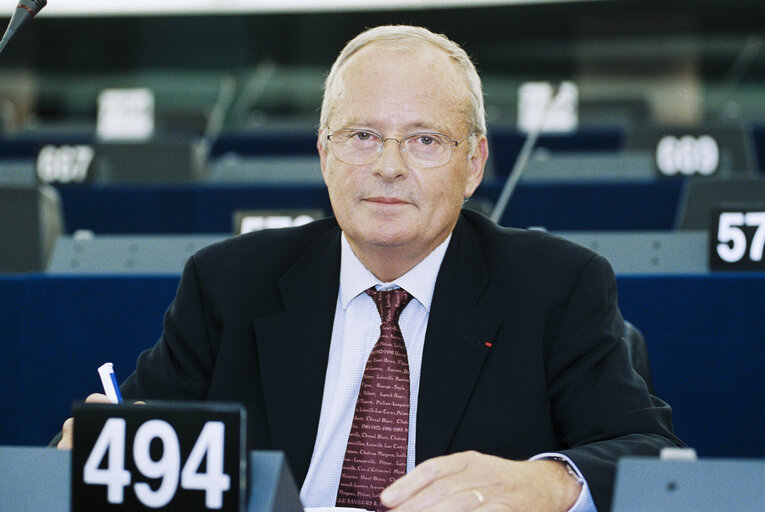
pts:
pixel 405 332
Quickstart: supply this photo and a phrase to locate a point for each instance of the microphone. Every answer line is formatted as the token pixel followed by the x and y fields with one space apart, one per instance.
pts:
pixel 24 11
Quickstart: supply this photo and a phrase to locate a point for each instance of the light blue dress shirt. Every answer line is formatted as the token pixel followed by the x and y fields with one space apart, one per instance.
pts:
pixel 355 331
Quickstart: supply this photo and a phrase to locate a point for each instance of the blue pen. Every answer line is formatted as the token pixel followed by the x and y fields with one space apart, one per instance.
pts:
pixel 109 381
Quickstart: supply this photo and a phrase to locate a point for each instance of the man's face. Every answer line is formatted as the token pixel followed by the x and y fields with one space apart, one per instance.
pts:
pixel 387 203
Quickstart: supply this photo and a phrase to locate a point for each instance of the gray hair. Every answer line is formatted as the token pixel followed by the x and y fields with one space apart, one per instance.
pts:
pixel 406 37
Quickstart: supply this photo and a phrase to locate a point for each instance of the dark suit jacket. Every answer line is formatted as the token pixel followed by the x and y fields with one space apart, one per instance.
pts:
pixel 522 352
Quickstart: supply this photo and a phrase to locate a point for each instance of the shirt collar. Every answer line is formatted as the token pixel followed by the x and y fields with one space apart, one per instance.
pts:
pixel 420 281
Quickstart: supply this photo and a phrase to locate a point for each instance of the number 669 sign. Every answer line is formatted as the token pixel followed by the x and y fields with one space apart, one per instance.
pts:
pixel 171 455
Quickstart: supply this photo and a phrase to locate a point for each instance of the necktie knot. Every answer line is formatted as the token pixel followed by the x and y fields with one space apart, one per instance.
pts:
pixel 390 303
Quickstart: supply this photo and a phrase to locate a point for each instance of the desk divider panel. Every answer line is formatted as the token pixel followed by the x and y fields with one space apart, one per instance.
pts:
pixel 649 252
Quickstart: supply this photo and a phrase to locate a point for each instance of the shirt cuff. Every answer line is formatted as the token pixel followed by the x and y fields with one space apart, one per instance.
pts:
pixel 584 503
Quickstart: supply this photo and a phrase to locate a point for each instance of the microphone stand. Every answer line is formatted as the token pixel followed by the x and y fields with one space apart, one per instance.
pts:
pixel 520 162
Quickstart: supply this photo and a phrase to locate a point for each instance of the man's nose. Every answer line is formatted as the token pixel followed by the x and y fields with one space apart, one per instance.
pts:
pixel 391 165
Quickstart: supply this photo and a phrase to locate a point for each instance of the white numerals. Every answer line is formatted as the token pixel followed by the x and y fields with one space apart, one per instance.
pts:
pixel 729 232
pixel 114 477
pixel 208 447
pixel 687 155
pixel 758 241
pixel 166 468
pixel 213 481
pixel 64 164
pixel 732 246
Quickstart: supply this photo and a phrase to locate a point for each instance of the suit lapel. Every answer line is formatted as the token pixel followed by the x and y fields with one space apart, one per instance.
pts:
pixel 293 349
pixel 455 343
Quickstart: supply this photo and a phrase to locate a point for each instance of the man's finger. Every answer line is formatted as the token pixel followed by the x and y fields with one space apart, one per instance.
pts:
pixel 451 492
pixel 66 435
pixel 423 475
pixel 97 398
pixel 67 430
pixel 464 500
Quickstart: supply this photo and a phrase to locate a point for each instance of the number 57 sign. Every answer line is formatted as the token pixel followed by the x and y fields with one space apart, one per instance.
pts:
pixel 737 239
pixel 173 456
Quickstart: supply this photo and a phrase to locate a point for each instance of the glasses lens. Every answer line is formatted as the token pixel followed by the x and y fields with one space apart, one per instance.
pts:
pixel 356 147
pixel 427 149
pixel 359 147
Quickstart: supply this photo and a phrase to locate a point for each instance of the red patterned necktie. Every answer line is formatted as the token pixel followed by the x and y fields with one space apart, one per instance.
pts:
pixel 377 444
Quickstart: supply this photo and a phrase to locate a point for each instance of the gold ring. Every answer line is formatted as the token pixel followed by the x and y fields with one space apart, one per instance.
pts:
pixel 478 495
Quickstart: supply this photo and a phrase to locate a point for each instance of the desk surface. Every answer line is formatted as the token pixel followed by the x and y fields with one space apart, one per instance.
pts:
pixel 711 485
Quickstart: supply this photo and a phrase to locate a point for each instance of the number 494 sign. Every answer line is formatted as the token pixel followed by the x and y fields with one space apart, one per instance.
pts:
pixel 174 456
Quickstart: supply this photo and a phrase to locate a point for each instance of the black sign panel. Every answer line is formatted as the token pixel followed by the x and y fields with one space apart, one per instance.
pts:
pixel 169 455
pixel 737 239
pixel 246 221
pixel 694 151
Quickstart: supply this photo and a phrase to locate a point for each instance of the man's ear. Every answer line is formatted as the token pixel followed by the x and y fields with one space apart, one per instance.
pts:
pixel 322 152
pixel 476 166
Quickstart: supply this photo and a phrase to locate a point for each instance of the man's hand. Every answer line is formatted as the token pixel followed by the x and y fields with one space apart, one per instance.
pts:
pixel 68 428
pixel 471 480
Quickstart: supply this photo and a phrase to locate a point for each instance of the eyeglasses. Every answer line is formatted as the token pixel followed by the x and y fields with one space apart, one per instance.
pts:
pixel 424 149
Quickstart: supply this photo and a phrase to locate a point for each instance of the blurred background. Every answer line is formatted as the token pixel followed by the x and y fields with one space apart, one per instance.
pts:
pixel 660 62
pixel 132 134
pixel 228 92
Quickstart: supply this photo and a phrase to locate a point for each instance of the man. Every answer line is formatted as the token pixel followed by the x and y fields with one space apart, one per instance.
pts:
pixel 512 338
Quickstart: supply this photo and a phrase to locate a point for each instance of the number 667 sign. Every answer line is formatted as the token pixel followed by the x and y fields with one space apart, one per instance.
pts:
pixel 171 455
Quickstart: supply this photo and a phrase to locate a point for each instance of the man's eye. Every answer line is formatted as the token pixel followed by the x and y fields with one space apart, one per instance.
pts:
pixel 363 135
pixel 426 140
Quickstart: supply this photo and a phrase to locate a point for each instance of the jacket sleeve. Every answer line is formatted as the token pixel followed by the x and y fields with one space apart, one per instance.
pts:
pixel 179 365
pixel 601 408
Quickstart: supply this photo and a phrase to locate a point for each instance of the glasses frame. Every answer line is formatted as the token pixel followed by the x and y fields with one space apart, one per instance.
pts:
pixel 404 155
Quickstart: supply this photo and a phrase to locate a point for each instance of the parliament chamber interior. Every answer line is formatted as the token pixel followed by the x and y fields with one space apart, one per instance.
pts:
pixel 132 138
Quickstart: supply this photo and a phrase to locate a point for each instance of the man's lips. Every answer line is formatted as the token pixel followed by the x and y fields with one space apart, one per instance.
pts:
pixel 386 200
